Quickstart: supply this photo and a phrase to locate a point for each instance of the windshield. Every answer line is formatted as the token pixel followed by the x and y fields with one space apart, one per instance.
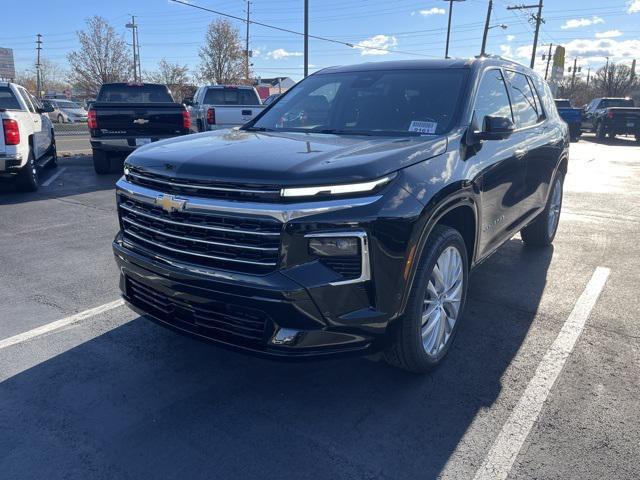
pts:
pixel 617 102
pixel 231 96
pixel 134 94
pixel 385 102
pixel 68 104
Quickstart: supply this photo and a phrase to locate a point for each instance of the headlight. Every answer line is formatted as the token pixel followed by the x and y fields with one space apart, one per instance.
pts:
pixel 336 189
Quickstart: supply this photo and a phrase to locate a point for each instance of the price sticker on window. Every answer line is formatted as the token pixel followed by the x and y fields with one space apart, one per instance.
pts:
pixel 423 127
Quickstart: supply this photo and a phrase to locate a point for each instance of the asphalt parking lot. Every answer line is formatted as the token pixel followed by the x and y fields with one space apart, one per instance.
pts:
pixel 112 395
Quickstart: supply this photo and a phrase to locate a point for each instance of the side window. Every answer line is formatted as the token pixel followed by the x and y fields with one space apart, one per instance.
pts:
pixel 522 100
pixel 536 99
pixel 34 101
pixel 27 100
pixel 492 99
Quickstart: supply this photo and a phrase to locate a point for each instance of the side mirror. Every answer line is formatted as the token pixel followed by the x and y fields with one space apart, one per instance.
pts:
pixel 46 108
pixel 495 128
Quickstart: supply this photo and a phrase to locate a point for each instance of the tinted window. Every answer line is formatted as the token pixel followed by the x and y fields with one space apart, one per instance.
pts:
pixel 525 110
pixel 230 96
pixel 616 102
pixel 134 94
pixel 492 99
pixel 397 102
pixel 8 100
pixel 563 104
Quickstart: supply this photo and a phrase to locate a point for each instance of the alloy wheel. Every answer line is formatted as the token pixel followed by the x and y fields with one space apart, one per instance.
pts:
pixel 554 206
pixel 442 301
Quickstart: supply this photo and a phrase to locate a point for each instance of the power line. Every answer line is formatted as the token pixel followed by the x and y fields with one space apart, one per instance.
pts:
pixel 316 37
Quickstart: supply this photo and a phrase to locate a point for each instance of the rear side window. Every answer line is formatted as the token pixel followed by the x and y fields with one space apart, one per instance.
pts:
pixel 492 99
pixel 231 96
pixel 8 100
pixel 134 94
pixel 616 102
pixel 523 102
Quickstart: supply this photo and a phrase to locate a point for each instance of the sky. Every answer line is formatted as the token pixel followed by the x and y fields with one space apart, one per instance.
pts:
pixel 380 30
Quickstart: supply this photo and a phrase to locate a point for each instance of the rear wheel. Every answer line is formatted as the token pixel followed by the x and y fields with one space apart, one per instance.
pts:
pixel 28 179
pixel 436 301
pixel 53 151
pixel 101 162
pixel 542 230
pixel 600 131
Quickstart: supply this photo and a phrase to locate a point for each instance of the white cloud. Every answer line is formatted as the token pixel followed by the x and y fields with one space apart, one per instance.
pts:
pixel 506 51
pixel 634 6
pixel 431 11
pixel 603 47
pixel 582 22
pixel 279 53
pixel 609 34
pixel 510 38
pixel 376 45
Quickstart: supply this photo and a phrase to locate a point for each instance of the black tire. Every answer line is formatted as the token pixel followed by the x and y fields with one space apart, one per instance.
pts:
pixel 101 162
pixel 60 119
pixel 601 133
pixel 406 350
pixel 116 163
pixel 540 232
pixel 28 178
pixel 53 151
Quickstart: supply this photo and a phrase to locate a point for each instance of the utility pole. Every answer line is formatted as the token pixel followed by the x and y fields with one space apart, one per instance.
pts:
pixel 486 28
pixel 134 37
pixel 138 52
pixel 306 37
pixel 546 70
pixel 446 50
pixel 246 45
pixel 588 76
pixel 573 74
pixel 537 18
pixel 38 71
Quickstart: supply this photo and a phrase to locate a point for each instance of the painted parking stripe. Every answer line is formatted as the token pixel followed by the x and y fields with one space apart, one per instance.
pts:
pixel 505 449
pixel 49 327
pixel 53 177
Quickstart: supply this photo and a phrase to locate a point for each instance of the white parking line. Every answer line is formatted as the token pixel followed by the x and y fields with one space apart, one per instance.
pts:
pixel 504 451
pixel 53 177
pixel 49 327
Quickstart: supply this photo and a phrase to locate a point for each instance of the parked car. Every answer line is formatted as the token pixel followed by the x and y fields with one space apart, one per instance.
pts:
pixel 27 140
pixel 271 98
pixel 346 218
pixel 223 106
pixel 65 111
pixel 125 116
pixel 611 117
pixel 572 116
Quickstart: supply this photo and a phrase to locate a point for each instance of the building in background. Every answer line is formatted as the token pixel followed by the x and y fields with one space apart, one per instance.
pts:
pixel 7 66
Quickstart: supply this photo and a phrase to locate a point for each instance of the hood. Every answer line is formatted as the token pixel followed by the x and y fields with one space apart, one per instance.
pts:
pixel 78 112
pixel 284 159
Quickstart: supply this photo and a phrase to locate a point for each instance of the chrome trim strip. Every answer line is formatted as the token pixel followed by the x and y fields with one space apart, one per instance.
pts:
pixel 202 187
pixel 365 262
pixel 281 212
pixel 195 225
pixel 213 257
pixel 209 242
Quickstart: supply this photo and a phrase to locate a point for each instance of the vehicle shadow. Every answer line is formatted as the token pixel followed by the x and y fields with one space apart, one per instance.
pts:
pixel 625 141
pixel 142 402
pixel 78 178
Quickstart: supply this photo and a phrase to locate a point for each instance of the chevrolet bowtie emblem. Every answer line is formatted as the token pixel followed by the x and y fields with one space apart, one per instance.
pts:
pixel 141 121
pixel 170 204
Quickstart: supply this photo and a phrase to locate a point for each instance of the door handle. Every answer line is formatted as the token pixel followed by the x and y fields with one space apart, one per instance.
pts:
pixel 519 153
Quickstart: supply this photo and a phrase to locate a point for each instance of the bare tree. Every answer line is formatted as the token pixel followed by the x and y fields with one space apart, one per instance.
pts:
pixel 52 74
pixel 615 80
pixel 174 76
pixel 103 57
pixel 222 54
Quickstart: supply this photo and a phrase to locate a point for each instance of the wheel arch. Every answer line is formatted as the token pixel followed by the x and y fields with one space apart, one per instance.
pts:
pixel 459 211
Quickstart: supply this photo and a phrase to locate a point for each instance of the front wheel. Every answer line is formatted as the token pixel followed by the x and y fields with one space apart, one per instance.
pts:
pixel 601 133
pixel 101 162
pixel 53 150
pixel 426 330
pixel 60 119
pixel 542 230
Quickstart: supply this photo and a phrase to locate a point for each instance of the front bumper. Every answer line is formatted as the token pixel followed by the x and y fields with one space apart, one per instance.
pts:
pixel 272 316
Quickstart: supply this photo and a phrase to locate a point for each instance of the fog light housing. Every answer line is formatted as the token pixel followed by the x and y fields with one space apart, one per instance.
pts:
pixel 334 246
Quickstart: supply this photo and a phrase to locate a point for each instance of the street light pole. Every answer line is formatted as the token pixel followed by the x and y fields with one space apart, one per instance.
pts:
pixel 446 50
pixel 132 26
pixel 486 28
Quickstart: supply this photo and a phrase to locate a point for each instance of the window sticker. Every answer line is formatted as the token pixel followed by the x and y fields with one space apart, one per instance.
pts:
pixel 423 127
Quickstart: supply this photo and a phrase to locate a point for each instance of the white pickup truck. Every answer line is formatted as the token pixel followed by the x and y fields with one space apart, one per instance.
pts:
pixel 27 140
pixel 223 106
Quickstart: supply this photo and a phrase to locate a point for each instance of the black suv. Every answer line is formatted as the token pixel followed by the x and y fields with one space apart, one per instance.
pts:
pixel 347 216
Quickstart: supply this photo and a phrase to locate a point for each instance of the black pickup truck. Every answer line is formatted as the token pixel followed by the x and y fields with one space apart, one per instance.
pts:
pixel 611 117
pixel 128 115
pixel 346 217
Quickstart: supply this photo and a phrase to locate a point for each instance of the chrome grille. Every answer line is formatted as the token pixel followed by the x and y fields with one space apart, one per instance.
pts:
pixel 202 189
pixel 220 241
